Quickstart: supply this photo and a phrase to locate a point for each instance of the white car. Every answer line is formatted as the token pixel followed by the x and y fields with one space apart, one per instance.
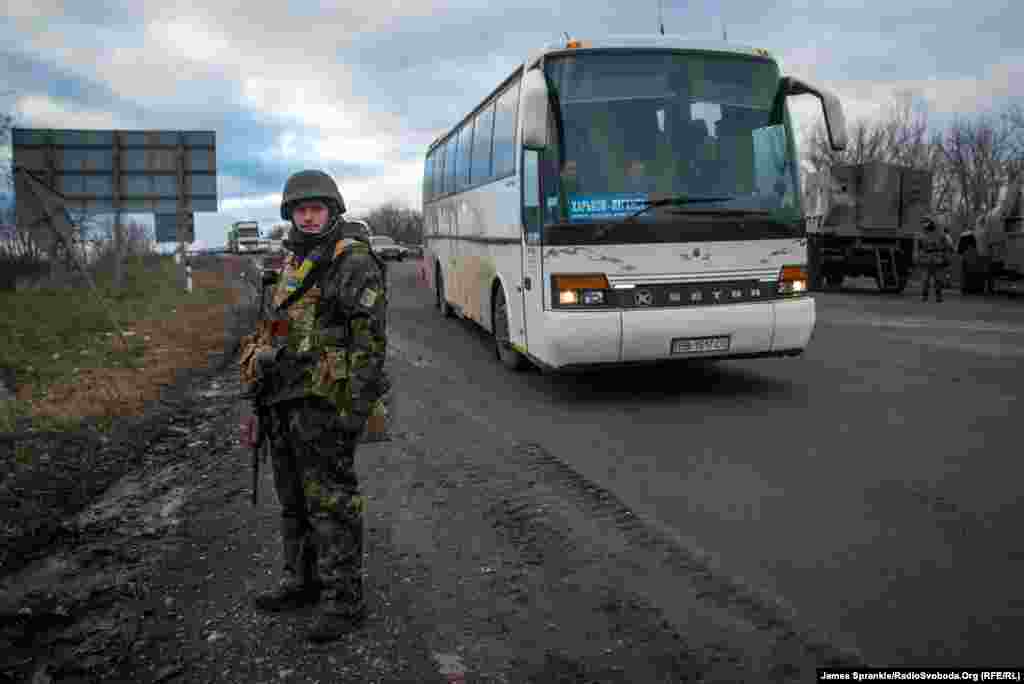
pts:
pixel 386 248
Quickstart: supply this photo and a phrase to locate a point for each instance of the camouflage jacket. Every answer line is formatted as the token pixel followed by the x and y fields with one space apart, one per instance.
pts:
pixel 343 318
pixel 934 248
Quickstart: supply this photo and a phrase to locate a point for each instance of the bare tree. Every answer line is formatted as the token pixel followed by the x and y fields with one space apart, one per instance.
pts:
pixel 905 137
pixel 898 136
pixel 1013 119
pixel 402 224
pixel 6 169
pixel 139 239
pixel 901 135
pixel 865 144
pixel 982 156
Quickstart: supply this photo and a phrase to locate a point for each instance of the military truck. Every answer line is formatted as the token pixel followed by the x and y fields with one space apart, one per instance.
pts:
pixel 247 236
pixel 992 254
pixel 862 220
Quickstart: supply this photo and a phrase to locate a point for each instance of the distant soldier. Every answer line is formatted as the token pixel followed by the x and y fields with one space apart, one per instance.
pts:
pixel 934 250
pixel 322 385
pixel 951 250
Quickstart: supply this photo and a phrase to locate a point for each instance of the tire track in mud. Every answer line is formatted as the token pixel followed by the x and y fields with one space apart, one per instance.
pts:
pixel 566 523
pixel 787 648
pixel 504 591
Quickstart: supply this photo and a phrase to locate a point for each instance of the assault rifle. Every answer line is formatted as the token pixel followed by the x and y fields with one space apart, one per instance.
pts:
pixel 278 369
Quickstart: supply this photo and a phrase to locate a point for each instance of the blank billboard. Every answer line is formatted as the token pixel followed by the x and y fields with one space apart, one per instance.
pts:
pixel 142 171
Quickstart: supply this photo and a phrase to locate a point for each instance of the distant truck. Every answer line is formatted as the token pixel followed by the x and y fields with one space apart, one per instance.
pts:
pixel 244 237
pixel 992 254
pixel 862 220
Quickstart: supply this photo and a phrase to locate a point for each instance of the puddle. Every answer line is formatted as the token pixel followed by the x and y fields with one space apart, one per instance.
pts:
pixel 215 391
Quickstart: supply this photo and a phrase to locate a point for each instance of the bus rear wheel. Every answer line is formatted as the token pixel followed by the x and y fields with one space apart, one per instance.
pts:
pixel 442 301
pixel 502 344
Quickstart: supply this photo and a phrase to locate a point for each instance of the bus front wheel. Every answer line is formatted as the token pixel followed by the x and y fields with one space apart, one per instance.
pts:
pixel 502 339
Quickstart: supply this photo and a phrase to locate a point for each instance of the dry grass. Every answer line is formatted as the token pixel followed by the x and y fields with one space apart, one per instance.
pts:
pixel 111 380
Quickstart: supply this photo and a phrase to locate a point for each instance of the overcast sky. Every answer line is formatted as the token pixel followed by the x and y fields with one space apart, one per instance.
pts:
pixel 361 88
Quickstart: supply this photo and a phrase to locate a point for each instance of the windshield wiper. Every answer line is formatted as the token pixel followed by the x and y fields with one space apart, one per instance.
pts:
pixel 676 201
pixel 725 212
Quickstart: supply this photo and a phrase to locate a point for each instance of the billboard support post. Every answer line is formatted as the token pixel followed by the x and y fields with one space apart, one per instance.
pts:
pixel 116 195
pixel 118 251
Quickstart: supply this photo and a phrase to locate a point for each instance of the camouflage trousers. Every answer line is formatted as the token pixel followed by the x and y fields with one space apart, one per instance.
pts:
pixel 933 273
pixel 321 509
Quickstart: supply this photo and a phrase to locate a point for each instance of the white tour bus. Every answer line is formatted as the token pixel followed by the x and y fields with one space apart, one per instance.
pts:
pixel 628 200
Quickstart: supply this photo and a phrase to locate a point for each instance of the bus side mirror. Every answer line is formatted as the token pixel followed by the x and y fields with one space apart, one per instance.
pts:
pixel 534 110
pixel 835 121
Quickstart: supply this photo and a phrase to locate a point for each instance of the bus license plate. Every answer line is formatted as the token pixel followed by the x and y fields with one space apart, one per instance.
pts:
pixel 697 345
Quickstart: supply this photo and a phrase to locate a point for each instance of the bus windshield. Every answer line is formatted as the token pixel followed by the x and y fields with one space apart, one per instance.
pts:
pixel 640 126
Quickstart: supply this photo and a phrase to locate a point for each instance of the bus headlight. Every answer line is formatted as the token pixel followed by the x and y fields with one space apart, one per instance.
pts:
pixel 793 280
pixel 582 289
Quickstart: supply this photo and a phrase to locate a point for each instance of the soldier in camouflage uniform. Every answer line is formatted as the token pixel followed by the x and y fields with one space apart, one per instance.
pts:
pixel 316 419
pixel 933 249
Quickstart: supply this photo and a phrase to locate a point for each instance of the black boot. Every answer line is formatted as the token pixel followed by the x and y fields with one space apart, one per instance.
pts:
pixel 290 594
pixel 299 585
pixel 331 626
pixel 342 613
pixel 344 606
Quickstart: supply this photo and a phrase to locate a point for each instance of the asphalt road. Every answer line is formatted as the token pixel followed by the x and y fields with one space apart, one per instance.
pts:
pixel 872 485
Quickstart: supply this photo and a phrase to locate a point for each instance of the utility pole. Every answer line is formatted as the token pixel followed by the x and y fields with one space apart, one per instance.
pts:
pixel 661 21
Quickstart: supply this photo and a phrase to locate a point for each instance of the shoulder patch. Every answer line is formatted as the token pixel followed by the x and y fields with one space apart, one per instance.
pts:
pixel 351 246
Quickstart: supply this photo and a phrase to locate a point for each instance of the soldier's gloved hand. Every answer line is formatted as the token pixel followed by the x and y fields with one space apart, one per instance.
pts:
pixel 264 360
pixel 286 354
pixel 353 424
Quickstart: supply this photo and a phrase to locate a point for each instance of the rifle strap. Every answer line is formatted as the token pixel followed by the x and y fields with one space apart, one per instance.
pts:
pixel 312 278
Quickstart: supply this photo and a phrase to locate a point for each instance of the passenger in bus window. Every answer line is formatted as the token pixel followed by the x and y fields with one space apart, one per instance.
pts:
pixel 637 179
pixel 570 182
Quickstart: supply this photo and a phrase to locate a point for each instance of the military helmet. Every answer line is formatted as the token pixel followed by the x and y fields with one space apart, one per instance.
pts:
pixel 311 185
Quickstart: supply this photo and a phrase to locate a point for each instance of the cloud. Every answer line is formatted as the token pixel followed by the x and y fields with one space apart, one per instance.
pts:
pixel 51 112
pixel 361 89
pixel 400 184
pixel 944 97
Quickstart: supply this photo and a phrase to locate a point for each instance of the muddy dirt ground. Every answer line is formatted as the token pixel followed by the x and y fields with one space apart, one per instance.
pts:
pixel 487 560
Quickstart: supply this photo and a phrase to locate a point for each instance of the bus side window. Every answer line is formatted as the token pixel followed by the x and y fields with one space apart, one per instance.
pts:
pixel 505 132
pixel 428 178
pixel 440 188
pixel 465 153
pixel 451 182
pixel 482 145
